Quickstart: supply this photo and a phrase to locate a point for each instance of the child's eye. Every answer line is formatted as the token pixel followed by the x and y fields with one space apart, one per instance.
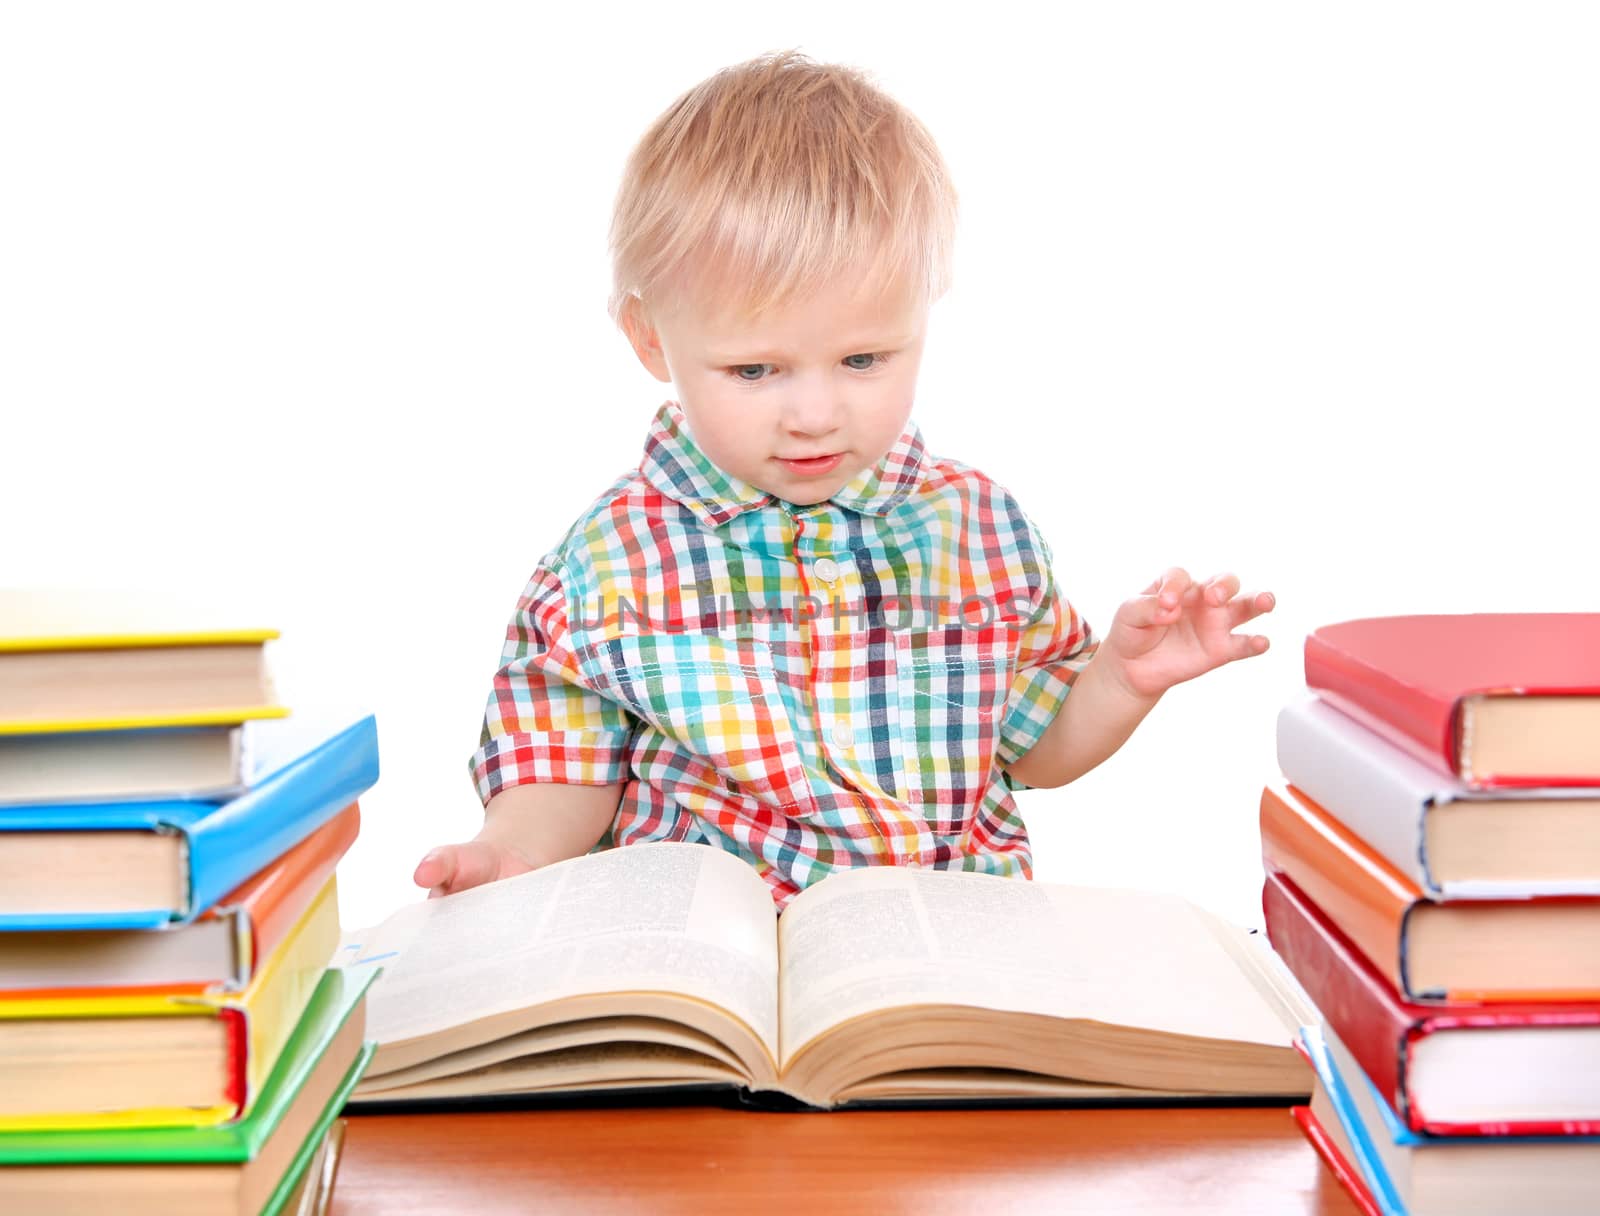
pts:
pixel 738 371
pixel 878 361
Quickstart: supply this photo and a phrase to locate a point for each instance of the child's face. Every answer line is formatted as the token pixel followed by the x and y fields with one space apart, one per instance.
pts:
pixel 800 401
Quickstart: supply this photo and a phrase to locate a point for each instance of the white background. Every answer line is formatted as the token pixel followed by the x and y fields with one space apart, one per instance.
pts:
pixel 304 304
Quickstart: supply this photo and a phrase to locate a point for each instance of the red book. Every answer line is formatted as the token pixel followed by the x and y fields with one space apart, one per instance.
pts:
pixel 1445 1069
pixel 1334 1158
pixel 1492 699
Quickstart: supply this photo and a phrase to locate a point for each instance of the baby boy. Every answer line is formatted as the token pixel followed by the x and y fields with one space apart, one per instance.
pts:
pixel 791 632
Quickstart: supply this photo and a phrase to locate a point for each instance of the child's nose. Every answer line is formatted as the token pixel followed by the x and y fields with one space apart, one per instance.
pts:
pixel 812 409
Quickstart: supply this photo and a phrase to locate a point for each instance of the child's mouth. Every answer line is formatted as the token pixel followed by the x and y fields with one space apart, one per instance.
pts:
pixel 813 466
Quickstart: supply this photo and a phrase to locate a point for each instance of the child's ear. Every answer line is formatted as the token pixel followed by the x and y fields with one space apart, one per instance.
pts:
pixel 644 338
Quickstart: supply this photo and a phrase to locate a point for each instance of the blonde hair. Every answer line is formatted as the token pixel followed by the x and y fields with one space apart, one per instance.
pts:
pixel 773 178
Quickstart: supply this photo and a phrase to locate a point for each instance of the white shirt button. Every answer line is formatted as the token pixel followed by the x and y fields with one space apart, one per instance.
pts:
pixel 843 736
pixel 826 569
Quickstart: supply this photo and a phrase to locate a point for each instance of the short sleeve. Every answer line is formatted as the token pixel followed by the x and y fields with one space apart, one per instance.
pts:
pixel 543 722
pixel 1056 646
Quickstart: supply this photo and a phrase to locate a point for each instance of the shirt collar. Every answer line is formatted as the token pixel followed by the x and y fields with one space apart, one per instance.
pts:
pixel 674 464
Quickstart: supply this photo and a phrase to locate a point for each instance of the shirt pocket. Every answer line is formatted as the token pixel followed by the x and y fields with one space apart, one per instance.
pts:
pixel 954 682
pixel 717 698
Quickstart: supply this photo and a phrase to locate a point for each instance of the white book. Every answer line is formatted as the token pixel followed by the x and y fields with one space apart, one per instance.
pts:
pixel 1452 841
pixel 666 964
pixel 195 762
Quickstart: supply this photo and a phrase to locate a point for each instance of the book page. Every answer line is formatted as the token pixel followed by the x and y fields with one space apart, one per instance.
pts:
pixel 875 939
pixel 529 1044
pixel 571 1068
pixel 687 919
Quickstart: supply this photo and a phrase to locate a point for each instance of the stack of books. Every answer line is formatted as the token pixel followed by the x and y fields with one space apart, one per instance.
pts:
pixel 1433 882
pixel 172 1039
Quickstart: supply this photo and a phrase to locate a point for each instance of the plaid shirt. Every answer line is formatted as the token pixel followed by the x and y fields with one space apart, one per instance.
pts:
pixel 810 687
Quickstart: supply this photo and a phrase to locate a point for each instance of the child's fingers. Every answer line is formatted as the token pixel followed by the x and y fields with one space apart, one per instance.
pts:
pixel 1171 585
pixel 1175 584
pixel 1143 611
pixel 477 862
pixel 1248 607
pixel 436 867
pixel 456 867
pixel 1220 588
pixel 481 861
pixel 1246 645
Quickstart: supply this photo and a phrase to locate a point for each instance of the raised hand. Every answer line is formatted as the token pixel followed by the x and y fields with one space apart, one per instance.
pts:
pixel 1178 629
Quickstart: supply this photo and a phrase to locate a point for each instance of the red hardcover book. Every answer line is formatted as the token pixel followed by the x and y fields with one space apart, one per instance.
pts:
pixel 1497 700
pixel 1346 1174
pixel 1449 1070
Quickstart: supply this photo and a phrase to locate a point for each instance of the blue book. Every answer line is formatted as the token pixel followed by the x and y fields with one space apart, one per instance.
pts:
pixel 143 865
pixel 1411 1173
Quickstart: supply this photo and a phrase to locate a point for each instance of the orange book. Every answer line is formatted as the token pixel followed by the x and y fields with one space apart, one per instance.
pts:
pixel 221 951
pixel 1544 949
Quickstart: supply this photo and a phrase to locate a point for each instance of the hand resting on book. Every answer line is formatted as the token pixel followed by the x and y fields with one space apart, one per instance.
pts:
pixel 524 827
pixel 456 867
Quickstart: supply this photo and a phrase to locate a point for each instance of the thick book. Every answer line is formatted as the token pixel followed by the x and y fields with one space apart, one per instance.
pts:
pixel 665 964
pixel 75 661
pixel 1453 841
pixel 153 764
pixel 142 865
pixel 1493 699
pixel 1449 1070
pixel 1410 1174
pixel 222 951
pixel 1544 949
pixel 244 1168
pixel 123 765
pixel 159 1059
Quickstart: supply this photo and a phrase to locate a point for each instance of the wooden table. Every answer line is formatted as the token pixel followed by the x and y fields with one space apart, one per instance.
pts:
pixel 706 1160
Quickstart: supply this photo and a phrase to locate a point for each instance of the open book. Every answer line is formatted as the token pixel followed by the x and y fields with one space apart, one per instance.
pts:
pixel 665 964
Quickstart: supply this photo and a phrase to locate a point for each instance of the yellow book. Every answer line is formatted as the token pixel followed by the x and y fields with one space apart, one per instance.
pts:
pixel 99 660
pixel 153 1059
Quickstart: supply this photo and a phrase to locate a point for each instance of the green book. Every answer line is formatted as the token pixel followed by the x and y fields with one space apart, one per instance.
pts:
pixel 177 1171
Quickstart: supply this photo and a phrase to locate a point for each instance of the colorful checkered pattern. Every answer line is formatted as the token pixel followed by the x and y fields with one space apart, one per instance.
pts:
pixel 810 687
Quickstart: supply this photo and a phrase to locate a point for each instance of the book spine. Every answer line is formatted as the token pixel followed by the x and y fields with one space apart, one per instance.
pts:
pixel 1342 1170
pixel 308 1147
pixel 237 1059
pixel 1354 1000
pixel 1361 894
pixel 271 902
pixel 246 834
pixel 1360 1136
pixel 1360 779
pixel 271 1007
pixel 1410 717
